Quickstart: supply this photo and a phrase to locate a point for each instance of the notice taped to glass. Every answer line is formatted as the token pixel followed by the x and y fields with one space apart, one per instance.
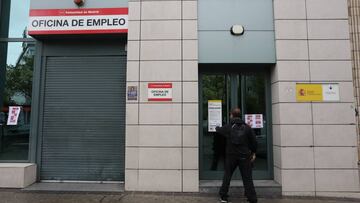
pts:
pixel 214 115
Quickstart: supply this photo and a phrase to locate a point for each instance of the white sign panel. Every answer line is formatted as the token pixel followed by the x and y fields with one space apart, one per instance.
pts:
pixel 254 120
pixel 214 115
pixel 160 92
pixel 14 112
pixel 331 92
pixel 78 21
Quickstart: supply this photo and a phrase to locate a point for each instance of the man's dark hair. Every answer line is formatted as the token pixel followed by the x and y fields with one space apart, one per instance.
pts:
pixel 236 112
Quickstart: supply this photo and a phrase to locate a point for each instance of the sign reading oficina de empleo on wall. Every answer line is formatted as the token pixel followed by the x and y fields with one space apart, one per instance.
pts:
pixel 78 21
pixel 160 92
pixel 317 92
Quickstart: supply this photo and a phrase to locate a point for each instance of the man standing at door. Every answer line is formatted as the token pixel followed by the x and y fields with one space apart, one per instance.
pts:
pixel 240 152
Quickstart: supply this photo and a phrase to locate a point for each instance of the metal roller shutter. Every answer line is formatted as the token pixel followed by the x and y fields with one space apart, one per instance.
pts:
pixel 84 118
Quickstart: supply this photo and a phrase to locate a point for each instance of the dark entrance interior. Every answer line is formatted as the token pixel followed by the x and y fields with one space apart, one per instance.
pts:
pixel 247 88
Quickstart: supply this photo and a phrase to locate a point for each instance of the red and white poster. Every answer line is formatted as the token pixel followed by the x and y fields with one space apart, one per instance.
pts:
pixel 160 92
pixel 14 112
pixel 78 21
pixel 254 120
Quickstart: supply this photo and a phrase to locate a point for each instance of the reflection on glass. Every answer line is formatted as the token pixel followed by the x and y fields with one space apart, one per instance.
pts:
pixel 255 104
pixel 242 90
pixel 214 88
pixel 14 140
pixel 19 15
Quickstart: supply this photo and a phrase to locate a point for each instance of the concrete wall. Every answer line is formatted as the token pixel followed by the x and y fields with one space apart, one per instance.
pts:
pixel 315 148
pixel 354 19
pixel 162 138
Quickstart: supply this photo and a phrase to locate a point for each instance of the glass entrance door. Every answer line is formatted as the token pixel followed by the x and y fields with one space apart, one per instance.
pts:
pixel 247 91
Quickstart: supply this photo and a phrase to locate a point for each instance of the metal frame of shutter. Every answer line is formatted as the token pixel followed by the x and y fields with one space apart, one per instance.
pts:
pixel 83 112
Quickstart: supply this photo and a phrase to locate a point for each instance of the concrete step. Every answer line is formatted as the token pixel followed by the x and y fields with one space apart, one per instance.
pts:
pixel 75 187
pixel 264 188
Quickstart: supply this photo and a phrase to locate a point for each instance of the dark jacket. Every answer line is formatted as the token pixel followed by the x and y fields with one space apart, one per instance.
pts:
pixel 250 144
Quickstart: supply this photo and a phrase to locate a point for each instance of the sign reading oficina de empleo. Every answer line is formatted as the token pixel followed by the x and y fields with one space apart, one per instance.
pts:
pixel 317 92
pixel 78 21
pixel 160 92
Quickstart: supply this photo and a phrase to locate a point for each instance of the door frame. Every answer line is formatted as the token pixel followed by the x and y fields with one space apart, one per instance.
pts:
pixel 241 69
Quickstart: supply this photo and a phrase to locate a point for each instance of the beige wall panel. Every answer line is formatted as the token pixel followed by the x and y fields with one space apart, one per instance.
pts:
pixel 160 180
pixel 134 10
pixel 335 70
pixel 160 71
pixel 190 92
pixel 160 50
pixel 298 180
pixel 191 158
pixel 160 158
pixel 132 71
pixel 190 181
pixel 292 113
pixel 190 70
pixel 289 9
pixel 190 29
pixel 291 71
pixel 329 50
pixel 328 29
pixel 333 113
pixel 297 157
pixel 134 30
pixel 190 136
pixel 189 9
pixel 337 180
pixel 132 113
pixel 296 135
pixel 161 10
pixel 292 49
pixel 161 29
pixel 290 29
pixel 335 135
pixel 160 136
pixel 160 113
pixel 190 114
pixel 327 9
pixel 131 157
pixel 336 157
pixel 131 180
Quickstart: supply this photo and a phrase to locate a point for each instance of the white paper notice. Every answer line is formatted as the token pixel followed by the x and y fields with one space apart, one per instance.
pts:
pixel 214 115
pixel 13 117
pixel 331 92
pixel 254 120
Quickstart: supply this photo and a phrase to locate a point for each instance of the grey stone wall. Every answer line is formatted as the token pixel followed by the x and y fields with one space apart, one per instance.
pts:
pixel 162 137
pixel 315 150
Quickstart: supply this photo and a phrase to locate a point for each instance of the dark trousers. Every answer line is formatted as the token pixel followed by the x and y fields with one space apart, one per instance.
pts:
pixel 245 167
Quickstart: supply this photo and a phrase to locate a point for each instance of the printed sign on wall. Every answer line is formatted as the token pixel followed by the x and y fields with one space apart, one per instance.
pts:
pixel 132 93
pixel 254 120
pixel 14 112
pixel 214 114
pixel 78 21
pixel 160 92
pixel 317 92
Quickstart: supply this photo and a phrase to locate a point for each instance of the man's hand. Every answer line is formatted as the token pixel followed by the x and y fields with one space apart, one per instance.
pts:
pixel 253 157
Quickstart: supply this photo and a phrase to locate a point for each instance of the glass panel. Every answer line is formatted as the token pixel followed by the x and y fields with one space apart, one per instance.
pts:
pixel 14 139
pixel 255 103
pixel 19 15
pixel 214 87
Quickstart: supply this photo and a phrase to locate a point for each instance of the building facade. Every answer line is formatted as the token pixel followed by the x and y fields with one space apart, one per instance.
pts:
pixel 130 91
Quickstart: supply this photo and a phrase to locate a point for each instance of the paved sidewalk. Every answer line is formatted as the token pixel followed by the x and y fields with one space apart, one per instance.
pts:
pixel 17 196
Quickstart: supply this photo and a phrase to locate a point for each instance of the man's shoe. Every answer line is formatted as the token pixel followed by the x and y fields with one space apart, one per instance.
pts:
pixel 224 200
